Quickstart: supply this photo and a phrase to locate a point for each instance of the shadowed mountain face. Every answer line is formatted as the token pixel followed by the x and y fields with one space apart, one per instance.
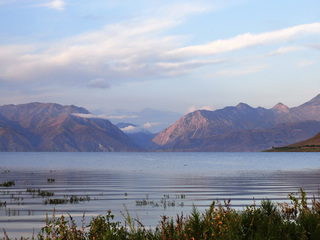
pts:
pixel 251 140
pixel 314 141
pixel 228 129
pixel 309 110
pixel 309 145
pixel 53 127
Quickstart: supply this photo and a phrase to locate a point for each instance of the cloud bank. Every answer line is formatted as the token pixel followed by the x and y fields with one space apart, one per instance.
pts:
pixel 138 49
pixel 248 40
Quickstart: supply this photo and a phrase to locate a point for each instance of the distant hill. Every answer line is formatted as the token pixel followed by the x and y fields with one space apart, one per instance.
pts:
pixel 53 127
pixel 309 145
pixel 143 139
pixel 141 136
pixel 240 128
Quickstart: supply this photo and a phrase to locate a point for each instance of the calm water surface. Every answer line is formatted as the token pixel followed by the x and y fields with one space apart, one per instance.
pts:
pixel 148 184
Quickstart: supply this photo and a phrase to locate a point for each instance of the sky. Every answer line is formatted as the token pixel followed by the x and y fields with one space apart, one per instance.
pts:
pixel 175 56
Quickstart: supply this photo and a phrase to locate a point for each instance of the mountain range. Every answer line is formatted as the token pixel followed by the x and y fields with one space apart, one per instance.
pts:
pixel 53 127
pixel 241 128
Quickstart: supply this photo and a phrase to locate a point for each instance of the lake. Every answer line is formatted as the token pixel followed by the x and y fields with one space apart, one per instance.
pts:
pixel 150 185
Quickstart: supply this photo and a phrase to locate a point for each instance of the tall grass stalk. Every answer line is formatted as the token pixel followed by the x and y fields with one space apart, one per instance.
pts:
pixel 295 220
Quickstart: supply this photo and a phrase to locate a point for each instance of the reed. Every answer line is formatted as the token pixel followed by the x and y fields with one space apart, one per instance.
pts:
pixel 294 220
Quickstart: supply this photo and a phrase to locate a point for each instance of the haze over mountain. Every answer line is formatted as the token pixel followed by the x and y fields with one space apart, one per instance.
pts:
pixel 148 119
pixel 241 128
pixel 141 136
pixel 52 127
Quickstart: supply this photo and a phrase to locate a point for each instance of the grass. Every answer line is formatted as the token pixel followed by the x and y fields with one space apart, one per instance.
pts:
pixel 295 220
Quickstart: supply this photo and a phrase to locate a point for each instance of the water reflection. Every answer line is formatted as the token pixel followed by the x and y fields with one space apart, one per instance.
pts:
pixel 149 185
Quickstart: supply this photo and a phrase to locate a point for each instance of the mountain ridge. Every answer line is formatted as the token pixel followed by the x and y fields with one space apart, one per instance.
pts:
pixel 202 124
pixel 53 127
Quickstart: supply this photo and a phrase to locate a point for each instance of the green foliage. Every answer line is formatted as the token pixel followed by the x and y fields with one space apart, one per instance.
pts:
pixel 8 184
pixel 102 228
pixel 61 228
pixel 294 221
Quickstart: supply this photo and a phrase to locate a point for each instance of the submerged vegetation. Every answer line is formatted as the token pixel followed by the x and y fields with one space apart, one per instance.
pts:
pixel 165 202
pixel 8 184
pixel 295 220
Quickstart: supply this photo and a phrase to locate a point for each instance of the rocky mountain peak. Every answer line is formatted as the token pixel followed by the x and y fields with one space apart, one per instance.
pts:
pixel 280 108
pixel 243 106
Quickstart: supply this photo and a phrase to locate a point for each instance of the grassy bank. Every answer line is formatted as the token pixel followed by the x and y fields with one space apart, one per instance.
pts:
pixel 294 220
pixel 306 148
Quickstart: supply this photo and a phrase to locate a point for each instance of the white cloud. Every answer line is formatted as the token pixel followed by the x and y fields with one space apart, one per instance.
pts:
pixel 132 50
pixel 121 116
pixel 128 129
pixel 102 116
pixel 150 125
pixel 306 62
pixel 7 1
pixel 56 4
pixel 247 40
pixel 239 72
pixel 283 50
pixel 174 68
pixel 83 115
pixel 193 108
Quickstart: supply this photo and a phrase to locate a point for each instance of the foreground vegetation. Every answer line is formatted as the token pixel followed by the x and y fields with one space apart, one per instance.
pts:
pixel 270 220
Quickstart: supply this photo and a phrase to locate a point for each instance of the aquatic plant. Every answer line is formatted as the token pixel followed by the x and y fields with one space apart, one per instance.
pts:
pixel 40 193
pixel 165 202
pixel 51 180
pixel 8 184
pixel 295 220
pixel 72 200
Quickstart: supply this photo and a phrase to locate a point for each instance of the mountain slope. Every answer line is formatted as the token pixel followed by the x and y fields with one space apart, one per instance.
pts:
pixel 53 127
pixel 251 140
pixel 309 110
pixel 191 131
pixel 309 145
pixel 314 141
pixel 202 123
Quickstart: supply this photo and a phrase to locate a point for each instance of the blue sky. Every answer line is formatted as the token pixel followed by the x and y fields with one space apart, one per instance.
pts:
pixel 172 55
